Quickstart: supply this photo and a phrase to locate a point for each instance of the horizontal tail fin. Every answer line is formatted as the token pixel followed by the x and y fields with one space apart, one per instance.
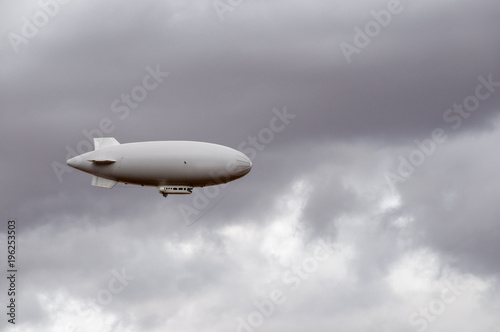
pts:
pixel 102 161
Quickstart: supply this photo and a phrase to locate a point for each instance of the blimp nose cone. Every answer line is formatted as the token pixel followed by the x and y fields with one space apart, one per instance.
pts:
pixel 241 166
pixel 247 165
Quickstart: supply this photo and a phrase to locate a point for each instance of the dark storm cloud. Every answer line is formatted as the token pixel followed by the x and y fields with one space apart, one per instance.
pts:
pixel 453 196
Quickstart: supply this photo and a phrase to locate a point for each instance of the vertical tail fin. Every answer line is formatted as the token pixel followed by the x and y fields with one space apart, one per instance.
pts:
pixel 103 183
pixel 101 142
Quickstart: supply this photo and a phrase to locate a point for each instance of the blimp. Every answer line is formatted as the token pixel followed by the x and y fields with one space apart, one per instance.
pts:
pixel 173 167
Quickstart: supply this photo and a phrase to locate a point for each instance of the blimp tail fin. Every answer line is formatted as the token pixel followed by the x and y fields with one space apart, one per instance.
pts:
pixel 103 183
pixel 101 142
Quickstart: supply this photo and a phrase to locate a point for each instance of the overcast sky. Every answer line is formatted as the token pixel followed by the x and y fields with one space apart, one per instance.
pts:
pixel 372 205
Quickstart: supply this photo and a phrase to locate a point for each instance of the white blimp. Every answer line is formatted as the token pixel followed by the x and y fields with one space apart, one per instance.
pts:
pixel 174 167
